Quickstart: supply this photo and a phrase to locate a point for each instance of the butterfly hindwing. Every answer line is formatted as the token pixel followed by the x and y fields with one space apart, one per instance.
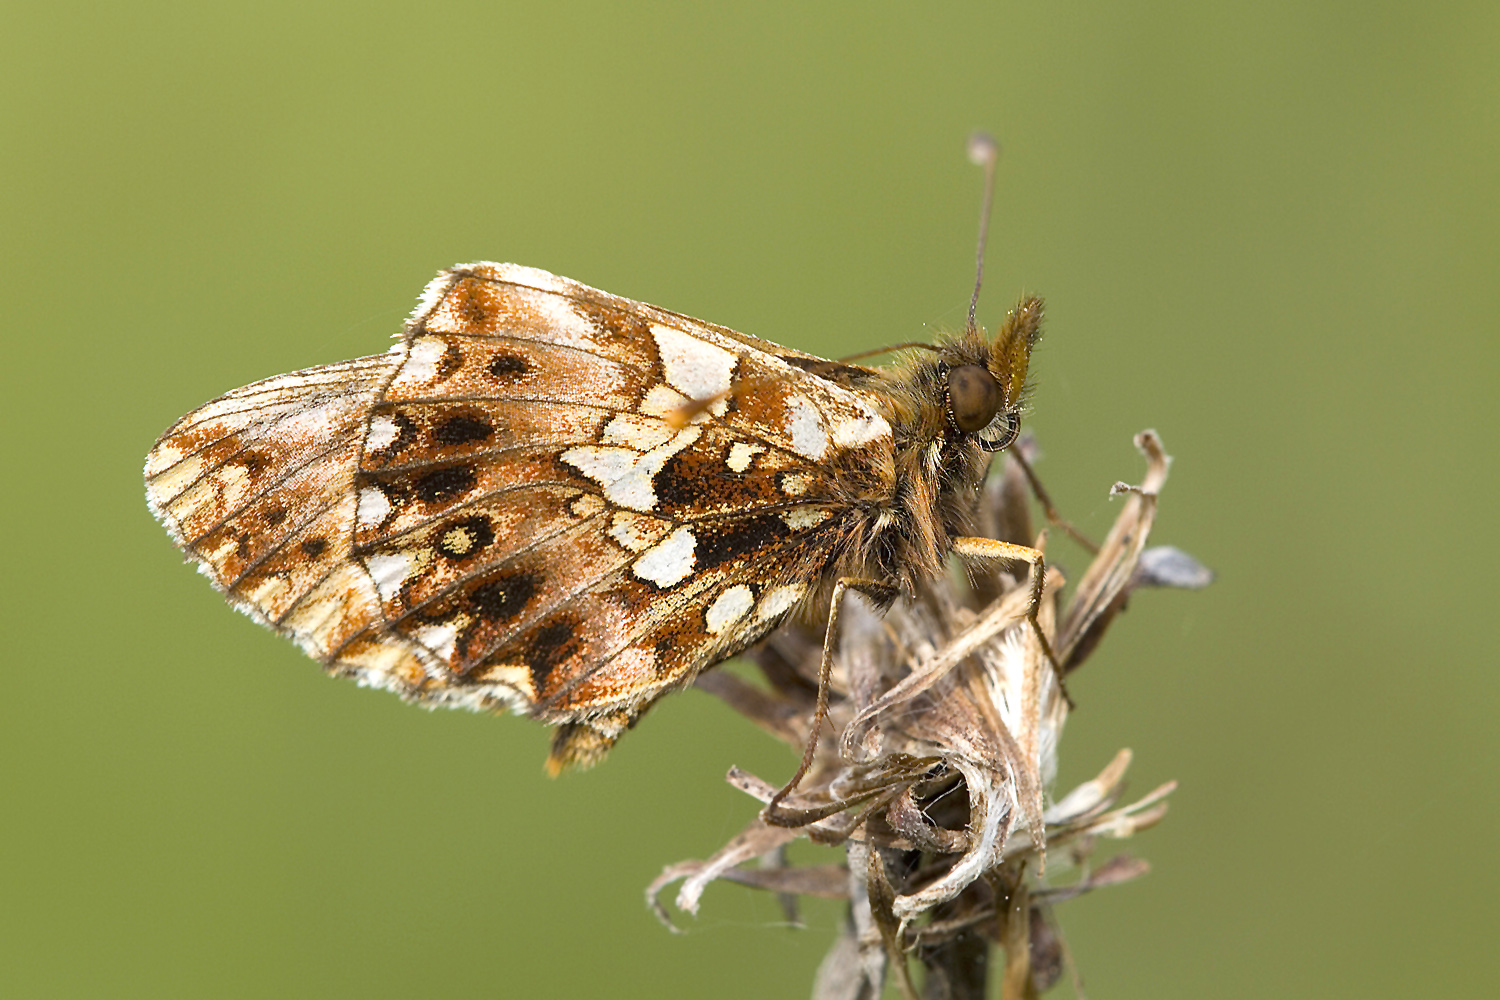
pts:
pixel 258 488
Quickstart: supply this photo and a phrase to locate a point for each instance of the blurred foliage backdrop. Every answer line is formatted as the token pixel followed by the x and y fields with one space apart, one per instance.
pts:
pixel 1270 231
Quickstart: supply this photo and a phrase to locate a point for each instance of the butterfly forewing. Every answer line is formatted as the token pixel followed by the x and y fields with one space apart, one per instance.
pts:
pixel 547 497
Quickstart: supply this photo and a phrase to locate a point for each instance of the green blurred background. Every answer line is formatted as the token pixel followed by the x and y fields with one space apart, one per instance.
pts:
pixel 1270 231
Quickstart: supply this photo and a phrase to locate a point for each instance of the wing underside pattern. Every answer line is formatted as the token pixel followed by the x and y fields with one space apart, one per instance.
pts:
pixel 546 498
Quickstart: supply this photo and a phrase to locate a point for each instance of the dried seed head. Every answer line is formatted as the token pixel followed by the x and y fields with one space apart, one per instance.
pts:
pixel 949 716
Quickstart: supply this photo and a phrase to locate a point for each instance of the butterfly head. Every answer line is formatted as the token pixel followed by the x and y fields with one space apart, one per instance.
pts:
pixel 985 378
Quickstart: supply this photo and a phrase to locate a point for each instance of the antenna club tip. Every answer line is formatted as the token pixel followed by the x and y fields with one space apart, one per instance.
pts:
pixel 983 148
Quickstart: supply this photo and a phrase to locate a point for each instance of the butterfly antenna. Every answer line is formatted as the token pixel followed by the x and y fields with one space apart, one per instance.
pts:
pixel 985 152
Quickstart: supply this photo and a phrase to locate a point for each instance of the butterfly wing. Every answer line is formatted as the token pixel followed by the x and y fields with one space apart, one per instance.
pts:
pixel 552 499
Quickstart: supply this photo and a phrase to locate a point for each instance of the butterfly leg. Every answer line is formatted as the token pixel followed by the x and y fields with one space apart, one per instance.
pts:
pixel 772 813
pixel 968 547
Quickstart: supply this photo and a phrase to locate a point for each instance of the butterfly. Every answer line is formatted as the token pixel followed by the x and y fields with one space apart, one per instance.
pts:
pixel 552 500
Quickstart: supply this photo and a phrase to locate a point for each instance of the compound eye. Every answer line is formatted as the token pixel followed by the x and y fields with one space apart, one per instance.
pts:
pixel 973 397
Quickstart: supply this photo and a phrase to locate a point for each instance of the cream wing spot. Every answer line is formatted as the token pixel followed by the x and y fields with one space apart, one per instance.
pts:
pixel 458 541
pixel 802 518
pixel 795 484
pixel 233 483
pixel 633 532
pixel 585 506
pixel 268 590
pixel 663 402
pixel 634 430
pixel 161 458
pixel 728 608
pixel 670 561
pixel 511 675
pixel 170 472
pixel 778 601
pixel 693 366
pixel 741 454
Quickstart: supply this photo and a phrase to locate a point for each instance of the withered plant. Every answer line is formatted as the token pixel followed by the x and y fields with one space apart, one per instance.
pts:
pixel 946 715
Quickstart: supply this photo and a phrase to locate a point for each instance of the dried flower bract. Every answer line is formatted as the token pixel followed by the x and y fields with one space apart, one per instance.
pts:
pixel 947 714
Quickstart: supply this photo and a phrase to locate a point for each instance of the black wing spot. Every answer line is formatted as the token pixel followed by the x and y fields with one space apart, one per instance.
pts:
pixel 508 366
pixel 551 645
pixel 444 484
pixel 314 547
pixel 678 484
pixel 462 430
pixel 738 539
pixel 502 599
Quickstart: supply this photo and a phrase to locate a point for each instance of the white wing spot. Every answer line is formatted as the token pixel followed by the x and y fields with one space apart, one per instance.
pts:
pixel 558 312
pixel 851 432
pixel 439 639
pixel 804 425
pixel 693 366
pixel 421 361
pixel 670 561
pixel 624 473
pixel 373 508
pixel 383 431
pixel 728 608
pixel 603 464
pixel 520 274
pixel 389 572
